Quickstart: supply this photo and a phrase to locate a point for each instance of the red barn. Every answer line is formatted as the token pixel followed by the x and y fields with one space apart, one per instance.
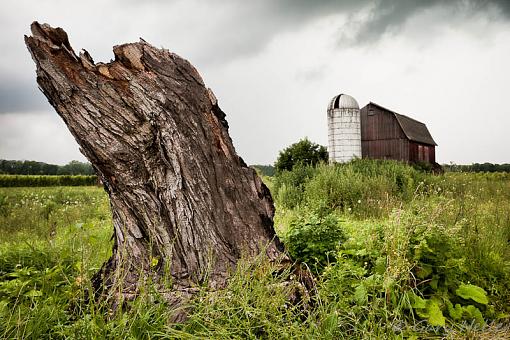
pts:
pixel 386 134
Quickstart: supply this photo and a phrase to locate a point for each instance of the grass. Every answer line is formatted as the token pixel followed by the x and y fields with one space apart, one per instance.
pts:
pixel 411 247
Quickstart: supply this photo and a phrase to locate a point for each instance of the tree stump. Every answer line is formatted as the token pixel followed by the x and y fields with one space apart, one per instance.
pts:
pixel 184 204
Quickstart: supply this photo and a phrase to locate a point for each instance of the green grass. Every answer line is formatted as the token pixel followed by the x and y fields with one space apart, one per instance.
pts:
pixel 414 252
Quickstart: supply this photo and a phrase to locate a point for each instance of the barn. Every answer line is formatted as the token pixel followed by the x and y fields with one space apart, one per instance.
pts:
pixel 376 132
pixel 386 134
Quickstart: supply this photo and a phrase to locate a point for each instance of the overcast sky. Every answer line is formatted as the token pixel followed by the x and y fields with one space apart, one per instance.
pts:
pixel 275 64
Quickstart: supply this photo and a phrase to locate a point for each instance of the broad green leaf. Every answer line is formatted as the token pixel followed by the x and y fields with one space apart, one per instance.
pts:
pixel 475 314
pixel 380 265
pixel 417 302
pixel 423 271
pixel 475 293
pixel 360 295
pixel 436 317
pixel 455 312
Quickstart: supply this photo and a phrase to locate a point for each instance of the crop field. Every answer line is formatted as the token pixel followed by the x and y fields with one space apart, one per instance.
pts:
pixel 396 253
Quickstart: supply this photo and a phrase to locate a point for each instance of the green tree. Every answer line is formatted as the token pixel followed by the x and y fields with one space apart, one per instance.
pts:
pixel 76 168
pixel 303 152
pixel 12 167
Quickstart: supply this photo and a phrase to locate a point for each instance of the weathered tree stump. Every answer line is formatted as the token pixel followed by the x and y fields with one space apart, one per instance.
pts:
pixel 183 202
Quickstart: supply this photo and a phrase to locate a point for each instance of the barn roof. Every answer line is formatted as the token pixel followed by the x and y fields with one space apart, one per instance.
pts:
pixel 413 129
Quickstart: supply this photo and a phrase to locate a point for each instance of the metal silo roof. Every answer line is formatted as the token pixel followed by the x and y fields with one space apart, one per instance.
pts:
pixel 343 101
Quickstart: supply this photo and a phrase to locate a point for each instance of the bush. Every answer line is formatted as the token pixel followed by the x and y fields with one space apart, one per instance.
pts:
pixel 362 187
pixel 289 185
pixel 303 152
pixel 314 240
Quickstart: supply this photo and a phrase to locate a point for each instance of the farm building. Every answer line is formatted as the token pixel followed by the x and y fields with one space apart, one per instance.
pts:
pixel 376 132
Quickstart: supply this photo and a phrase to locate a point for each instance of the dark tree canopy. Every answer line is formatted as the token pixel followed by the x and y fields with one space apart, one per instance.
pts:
pixel 303 152
pixel 266 170
pixel 478 167
pixel 12 167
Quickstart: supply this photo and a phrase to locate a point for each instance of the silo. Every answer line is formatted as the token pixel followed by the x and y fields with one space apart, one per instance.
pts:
pixel 344 129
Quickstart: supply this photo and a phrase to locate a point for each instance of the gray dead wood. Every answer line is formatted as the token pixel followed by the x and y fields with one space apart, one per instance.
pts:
pixel 183 202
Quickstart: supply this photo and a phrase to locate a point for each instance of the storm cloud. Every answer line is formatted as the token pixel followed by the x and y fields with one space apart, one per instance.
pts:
pixel 218 32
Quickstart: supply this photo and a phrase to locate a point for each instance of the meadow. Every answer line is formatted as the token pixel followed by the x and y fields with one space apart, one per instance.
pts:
pixel 396 253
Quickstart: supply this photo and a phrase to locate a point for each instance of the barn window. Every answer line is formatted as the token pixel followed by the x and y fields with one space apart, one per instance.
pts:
pixel 371 112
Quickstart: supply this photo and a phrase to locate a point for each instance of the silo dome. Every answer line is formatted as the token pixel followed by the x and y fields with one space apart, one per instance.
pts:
pixel 343 101
pixel 344 129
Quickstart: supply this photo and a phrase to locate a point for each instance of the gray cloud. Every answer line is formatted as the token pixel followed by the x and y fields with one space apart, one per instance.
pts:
pixel 274 64
pixel 389 15
pixel 17 96
pixel 251 25
pixel 212 34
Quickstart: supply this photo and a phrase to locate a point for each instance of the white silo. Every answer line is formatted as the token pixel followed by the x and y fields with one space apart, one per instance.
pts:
pixel 344 129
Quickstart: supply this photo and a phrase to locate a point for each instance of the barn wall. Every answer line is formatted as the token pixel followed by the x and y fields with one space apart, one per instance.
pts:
pixel 377 124
pixel 419 152
pixel 397 149
pixel 381 135
pixel 383 138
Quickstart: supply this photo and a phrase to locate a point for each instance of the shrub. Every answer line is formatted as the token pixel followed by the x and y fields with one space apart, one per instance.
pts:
pixel 303 152
pixel 314 240
pixel 289 185
pixel 367 188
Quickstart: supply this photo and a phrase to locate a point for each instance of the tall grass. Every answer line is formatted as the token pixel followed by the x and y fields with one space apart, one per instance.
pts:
pixel 413 240
pixel 390 247
pixel 364 188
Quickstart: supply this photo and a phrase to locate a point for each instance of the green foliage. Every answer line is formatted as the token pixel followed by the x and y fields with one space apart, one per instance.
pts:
pixel 469 291
pixel 432 312
pixel 303 152
pixel 314 240
pixel 413 241
pixel 52 241
pixel 468 313
pixel 254 305
pixel 265 170
pixel 361 187
pixel 477 167
pixel 46 181
pixel 289 185
pixel 420 256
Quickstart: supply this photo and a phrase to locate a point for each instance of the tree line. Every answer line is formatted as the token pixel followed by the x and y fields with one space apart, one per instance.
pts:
pixel 478 167
pixel 12 167
pixel 47 180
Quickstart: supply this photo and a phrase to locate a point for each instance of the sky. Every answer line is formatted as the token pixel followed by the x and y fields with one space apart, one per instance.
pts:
pixel 274 65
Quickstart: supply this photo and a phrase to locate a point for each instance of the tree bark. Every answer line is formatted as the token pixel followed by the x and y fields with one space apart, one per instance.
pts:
pixel 183 202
